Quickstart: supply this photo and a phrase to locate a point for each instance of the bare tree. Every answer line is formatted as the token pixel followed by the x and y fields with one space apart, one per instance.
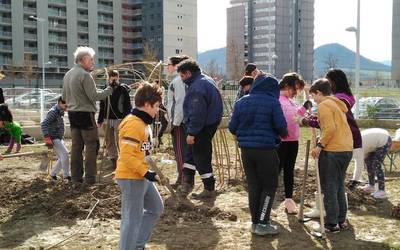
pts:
pixel 149 55
pixel 330 62
pixel 212 69
pixel 28 72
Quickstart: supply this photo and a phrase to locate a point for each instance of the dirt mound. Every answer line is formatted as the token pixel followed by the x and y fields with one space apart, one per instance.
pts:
pixel 61 200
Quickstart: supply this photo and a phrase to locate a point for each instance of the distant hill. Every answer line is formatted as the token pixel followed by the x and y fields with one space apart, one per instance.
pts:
pixel 219 55
pixel 345 59
pixel 344 56
pixel 387 62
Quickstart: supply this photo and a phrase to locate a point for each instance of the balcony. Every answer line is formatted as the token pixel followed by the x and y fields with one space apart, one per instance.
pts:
pixel 59 64
pixel 59 39
pixel 6 61
pixel 132 23
pixel 131 12
pixel 6 34
pixel 83 5
pixel 30 10
pixel 57 26
pixel 132 1
pixel 105 32
pixel 106 43
pixel 30 63
pixel 58 51
pixel 30 23
pixel 83 29
pixel 5 6
pixel 133 46
pixel 5 20
pixel 106 55
pixel 83 41
pixel 57 13
pixel 58 2
pixel 30 36
pixel 127 34
pixel 30 49
pixel 102 19
pixel 105 8
pixel 83 17
pixel 5 47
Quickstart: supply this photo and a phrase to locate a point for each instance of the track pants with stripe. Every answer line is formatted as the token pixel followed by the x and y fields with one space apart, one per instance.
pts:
pixel 179 144
pixel 261 167
pixel 198 157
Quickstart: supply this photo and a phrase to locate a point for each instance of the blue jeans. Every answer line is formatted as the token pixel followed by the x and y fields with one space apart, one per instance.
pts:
pixel 332 168
pixel 141 207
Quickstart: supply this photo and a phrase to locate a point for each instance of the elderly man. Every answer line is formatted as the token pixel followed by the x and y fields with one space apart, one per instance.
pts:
pixel 80 94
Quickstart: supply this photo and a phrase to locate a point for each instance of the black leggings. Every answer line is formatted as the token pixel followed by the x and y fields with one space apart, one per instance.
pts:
pixel 262 168
pixel 287 159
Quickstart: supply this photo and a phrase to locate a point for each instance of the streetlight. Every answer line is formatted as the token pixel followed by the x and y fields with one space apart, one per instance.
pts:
pixel 357 73
pixel 42 22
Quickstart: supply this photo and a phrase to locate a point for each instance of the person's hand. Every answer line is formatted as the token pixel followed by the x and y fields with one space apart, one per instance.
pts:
pixel 99 125
pixel 48 142
pixel 315 152
pixel 190 140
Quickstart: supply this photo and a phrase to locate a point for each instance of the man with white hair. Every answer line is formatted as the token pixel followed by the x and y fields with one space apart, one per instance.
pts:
pixel 81 94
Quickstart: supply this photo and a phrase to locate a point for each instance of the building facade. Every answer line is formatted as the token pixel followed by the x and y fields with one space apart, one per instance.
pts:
pixel 49 31
pixel 267 36
pixel 396 42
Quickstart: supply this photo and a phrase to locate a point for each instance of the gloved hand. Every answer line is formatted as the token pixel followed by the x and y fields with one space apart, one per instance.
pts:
pixel 307 104
pixel 48 142
pixel 152 176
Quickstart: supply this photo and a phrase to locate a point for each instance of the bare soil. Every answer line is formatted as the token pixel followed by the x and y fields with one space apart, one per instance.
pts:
pixel 37 213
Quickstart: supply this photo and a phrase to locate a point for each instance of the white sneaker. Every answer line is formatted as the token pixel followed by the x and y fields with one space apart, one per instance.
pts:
pixel 380 194
pixel 368 188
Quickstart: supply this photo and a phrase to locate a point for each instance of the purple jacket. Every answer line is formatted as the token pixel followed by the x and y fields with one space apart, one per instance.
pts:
pixel 355 131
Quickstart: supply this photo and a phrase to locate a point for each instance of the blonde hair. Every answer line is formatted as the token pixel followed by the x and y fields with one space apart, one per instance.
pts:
pixel 81 52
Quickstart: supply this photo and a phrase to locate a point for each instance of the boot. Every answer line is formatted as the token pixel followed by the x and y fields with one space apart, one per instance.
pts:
pixel 113 164
pixel 188 182
pixel 314 213
pixel 209 189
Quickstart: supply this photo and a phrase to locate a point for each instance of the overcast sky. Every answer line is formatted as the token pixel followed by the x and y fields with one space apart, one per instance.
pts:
pixel 332 17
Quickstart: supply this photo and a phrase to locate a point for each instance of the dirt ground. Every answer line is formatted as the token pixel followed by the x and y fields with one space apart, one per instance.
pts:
pixel 36 213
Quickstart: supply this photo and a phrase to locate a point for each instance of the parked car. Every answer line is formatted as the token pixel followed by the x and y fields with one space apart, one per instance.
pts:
pixel 379 108
pixel 34 93
pixel 32 100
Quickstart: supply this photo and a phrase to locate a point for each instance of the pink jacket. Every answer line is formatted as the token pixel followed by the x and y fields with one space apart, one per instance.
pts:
pixel 290 109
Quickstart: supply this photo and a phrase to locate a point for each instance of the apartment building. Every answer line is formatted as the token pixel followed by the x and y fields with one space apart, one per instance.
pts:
pixel 262 32
pixel 37 31
pixel 396 42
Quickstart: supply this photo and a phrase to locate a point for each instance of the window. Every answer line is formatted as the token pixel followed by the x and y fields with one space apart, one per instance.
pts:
pixel 177 51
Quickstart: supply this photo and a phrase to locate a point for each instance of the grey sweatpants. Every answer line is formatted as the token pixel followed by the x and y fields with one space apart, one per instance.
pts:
pixel 63 158
pixel 141 207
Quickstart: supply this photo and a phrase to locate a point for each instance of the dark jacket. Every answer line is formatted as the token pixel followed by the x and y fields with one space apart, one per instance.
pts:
pixel 120 104
pixel 202 105
pixel 258 120
pixel 53 124
pixel 1 96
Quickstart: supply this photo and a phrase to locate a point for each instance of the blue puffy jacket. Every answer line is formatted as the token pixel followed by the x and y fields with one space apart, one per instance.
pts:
pixel 202 105
pixel 258 120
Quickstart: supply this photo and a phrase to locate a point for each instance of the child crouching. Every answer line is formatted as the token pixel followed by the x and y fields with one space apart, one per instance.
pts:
pixel 12 127
pixel 141 203
pixel 53 132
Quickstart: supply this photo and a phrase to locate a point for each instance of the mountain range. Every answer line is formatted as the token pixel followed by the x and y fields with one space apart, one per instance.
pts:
pixel 341 56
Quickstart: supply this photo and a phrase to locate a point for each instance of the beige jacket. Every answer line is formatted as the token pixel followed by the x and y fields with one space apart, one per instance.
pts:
pixel 80 92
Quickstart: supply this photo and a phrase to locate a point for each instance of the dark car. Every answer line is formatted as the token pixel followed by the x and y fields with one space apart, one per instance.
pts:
pixel 379 108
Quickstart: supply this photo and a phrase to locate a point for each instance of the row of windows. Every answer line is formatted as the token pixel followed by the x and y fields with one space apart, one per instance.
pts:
pixel 261 36
pixel 269 27
pixel 266 18
pixel 271 9
pixel 263 1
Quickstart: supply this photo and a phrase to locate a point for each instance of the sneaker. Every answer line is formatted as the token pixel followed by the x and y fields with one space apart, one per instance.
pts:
pixel 253 228
pixel 290 206
pixel 344 225
pixel 205 194
pixel 328 228
pixel 380 194
pixel 266 229
pixel 368 188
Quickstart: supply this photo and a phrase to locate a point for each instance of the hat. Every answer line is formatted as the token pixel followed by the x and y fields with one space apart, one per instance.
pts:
pixel 250 67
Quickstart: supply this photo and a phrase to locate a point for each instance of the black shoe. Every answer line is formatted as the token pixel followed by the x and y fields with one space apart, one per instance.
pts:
pixel 53 177
pixel 205 194
pixel 353 184
pixel 332 228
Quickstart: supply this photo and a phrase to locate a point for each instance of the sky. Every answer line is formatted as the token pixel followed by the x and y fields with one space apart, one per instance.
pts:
pixel 332 17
